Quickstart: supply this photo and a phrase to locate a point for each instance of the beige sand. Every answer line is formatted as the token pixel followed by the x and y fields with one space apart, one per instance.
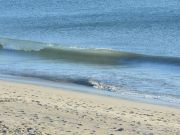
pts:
pixel 34 110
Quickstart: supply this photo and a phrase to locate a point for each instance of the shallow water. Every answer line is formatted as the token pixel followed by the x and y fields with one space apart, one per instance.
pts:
pixel 127 48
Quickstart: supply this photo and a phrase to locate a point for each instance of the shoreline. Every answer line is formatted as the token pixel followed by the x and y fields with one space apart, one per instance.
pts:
pixel 83 89
pixel 28 108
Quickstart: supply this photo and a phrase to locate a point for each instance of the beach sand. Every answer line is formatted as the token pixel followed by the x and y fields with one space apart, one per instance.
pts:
pixel 27 109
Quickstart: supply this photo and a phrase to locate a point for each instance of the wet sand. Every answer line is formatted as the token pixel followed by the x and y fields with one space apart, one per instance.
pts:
pixel 27 109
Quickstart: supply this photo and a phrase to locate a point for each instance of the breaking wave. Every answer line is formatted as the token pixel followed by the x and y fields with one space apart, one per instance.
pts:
pixel 86 55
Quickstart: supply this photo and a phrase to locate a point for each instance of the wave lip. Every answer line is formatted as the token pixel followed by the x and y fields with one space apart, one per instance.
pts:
pixel 83 55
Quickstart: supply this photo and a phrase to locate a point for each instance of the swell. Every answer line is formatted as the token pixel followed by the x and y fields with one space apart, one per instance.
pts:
pixel 84 55
pixel 124 18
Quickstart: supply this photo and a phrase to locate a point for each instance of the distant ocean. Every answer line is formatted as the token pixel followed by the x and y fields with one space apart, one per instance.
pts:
pixel 129 48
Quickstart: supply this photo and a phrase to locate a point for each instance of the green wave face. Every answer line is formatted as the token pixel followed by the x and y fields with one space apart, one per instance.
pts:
pixel 1 47
pixel 57 51
pixel 87 55
pixel 83 55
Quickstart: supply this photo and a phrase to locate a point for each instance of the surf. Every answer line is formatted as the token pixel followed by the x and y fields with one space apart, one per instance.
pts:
pixel 83 55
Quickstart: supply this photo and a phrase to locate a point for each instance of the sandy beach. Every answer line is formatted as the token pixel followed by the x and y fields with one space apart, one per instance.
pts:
pixel 27 109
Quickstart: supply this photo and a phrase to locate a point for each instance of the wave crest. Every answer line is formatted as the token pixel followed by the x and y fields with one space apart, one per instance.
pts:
pixel 85 55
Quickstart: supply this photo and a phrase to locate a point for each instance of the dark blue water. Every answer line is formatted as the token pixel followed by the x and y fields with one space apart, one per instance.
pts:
pixel 130 48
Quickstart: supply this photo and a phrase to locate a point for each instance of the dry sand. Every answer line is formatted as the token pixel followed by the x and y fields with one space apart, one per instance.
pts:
pixel 27 109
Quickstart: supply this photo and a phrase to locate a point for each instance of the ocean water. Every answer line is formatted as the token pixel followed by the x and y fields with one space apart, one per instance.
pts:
pixel 129 48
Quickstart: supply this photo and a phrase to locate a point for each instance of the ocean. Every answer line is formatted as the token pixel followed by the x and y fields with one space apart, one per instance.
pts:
pixel 128 49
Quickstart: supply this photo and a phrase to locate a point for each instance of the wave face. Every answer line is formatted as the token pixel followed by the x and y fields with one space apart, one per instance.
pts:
pixel 85 55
